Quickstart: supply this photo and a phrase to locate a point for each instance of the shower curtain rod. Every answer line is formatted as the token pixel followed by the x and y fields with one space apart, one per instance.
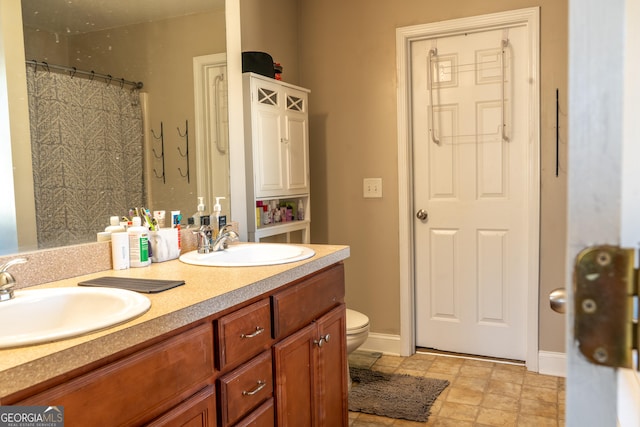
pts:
pixel 91 74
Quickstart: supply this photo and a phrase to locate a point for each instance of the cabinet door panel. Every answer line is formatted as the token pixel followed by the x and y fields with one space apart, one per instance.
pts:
pixel 297 155
pixel 268 158
pixel 332 369
pixel 294 368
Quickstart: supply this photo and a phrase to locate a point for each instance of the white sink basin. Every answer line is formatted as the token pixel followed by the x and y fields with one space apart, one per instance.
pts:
pixel 43 315
pixel 250 254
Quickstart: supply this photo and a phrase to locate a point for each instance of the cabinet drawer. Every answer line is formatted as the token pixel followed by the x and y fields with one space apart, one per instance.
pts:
pixel 199 410
pixel 139 387
pixel 264 416
pixel 243 334
pixel 298 305
pixel 245 388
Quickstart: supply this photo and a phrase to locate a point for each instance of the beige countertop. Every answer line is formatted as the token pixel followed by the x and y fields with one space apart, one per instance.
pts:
pixel 208 290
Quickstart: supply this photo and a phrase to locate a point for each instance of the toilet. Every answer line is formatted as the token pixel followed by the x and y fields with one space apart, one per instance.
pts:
pixel 357 332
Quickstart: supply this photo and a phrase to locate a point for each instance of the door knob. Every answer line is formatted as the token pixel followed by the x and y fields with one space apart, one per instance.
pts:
pixel 558 300
pixel 422 215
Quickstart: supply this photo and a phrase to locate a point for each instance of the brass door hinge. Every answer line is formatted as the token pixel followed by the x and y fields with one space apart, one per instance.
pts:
pixel 606 295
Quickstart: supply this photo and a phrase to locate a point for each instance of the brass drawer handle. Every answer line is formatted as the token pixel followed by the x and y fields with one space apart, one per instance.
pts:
pixel 257 332
pixel 260 386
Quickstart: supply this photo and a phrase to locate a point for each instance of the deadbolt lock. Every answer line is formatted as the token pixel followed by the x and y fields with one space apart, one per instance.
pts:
pixel 605 291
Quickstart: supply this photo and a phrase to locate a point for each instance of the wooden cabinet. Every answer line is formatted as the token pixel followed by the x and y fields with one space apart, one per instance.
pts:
pixel 311 381
pixel 279 359
pixel 140 387
pixel 310 364
pixel 277 150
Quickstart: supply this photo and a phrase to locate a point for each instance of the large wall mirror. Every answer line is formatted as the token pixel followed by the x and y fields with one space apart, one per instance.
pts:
pixel 153 42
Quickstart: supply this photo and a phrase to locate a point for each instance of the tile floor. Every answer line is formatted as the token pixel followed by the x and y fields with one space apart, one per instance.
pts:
pixel 480 393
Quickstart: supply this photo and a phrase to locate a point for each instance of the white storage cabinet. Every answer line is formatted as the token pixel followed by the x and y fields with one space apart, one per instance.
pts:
pixel 277 149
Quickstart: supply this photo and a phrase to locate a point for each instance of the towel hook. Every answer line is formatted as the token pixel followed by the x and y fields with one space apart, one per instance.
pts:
pixel 185 135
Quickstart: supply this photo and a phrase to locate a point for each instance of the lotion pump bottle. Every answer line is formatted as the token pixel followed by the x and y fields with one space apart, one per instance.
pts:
pixel 138 244
pixel 197 217
pixel 115 226
pixel 217 209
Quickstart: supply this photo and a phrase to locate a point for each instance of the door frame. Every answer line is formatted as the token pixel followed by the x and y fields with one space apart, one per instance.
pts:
pixel 602 174
pixel 205 152
pixel 404 37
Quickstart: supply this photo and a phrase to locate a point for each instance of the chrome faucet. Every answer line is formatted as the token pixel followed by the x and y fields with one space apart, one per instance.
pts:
pixel 225 235
pixel 7 281
pixel 204 243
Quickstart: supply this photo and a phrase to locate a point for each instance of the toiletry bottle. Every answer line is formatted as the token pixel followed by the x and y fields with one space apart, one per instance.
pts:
pixel 120 250
pixel 215 218
pixel 175 218
pixel 138 244
pixel 258 213
pixel 200 213
pixel 115 226
pixel 300 210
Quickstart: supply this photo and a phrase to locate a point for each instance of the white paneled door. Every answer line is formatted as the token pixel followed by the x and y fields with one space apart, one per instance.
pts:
pixel 470 130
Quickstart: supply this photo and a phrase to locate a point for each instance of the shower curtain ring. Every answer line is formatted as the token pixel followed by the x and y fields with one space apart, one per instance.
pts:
pixel 35 65
pixel 110 78
pixel 121 83
pixel 93 74
pixel 46 66
pixel 73 72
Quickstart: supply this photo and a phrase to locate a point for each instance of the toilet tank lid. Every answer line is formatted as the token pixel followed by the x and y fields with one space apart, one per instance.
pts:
pixel 355 319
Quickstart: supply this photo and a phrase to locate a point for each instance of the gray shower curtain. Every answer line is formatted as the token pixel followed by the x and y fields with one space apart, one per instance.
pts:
pixel 86 144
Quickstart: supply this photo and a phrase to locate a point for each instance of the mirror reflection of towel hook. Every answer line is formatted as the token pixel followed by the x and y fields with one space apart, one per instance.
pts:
pixel 185 135
pixel 161 156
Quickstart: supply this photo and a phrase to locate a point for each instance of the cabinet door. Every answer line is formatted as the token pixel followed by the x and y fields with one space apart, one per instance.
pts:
pixel 294 369
pixel 297 142
pixel 268 156
pixel 331 390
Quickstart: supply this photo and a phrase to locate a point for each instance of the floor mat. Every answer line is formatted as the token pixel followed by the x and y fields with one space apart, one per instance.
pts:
pixel 393 395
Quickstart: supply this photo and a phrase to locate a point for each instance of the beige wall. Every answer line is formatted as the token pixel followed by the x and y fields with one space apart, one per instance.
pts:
pixel 347 59
pixel 160 54
pixel 272 26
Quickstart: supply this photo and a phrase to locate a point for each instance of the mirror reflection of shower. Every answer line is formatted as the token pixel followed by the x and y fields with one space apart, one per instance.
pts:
pixel 159 53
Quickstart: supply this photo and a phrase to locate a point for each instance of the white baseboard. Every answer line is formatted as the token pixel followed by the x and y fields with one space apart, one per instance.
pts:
pixel 549 362
pixel 383 343
pixel 552 363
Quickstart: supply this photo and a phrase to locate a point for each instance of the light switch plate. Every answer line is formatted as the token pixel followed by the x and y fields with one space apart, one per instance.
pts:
pixel 372 188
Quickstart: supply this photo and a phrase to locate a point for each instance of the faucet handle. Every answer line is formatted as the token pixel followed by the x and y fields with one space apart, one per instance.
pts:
pixel 7 281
